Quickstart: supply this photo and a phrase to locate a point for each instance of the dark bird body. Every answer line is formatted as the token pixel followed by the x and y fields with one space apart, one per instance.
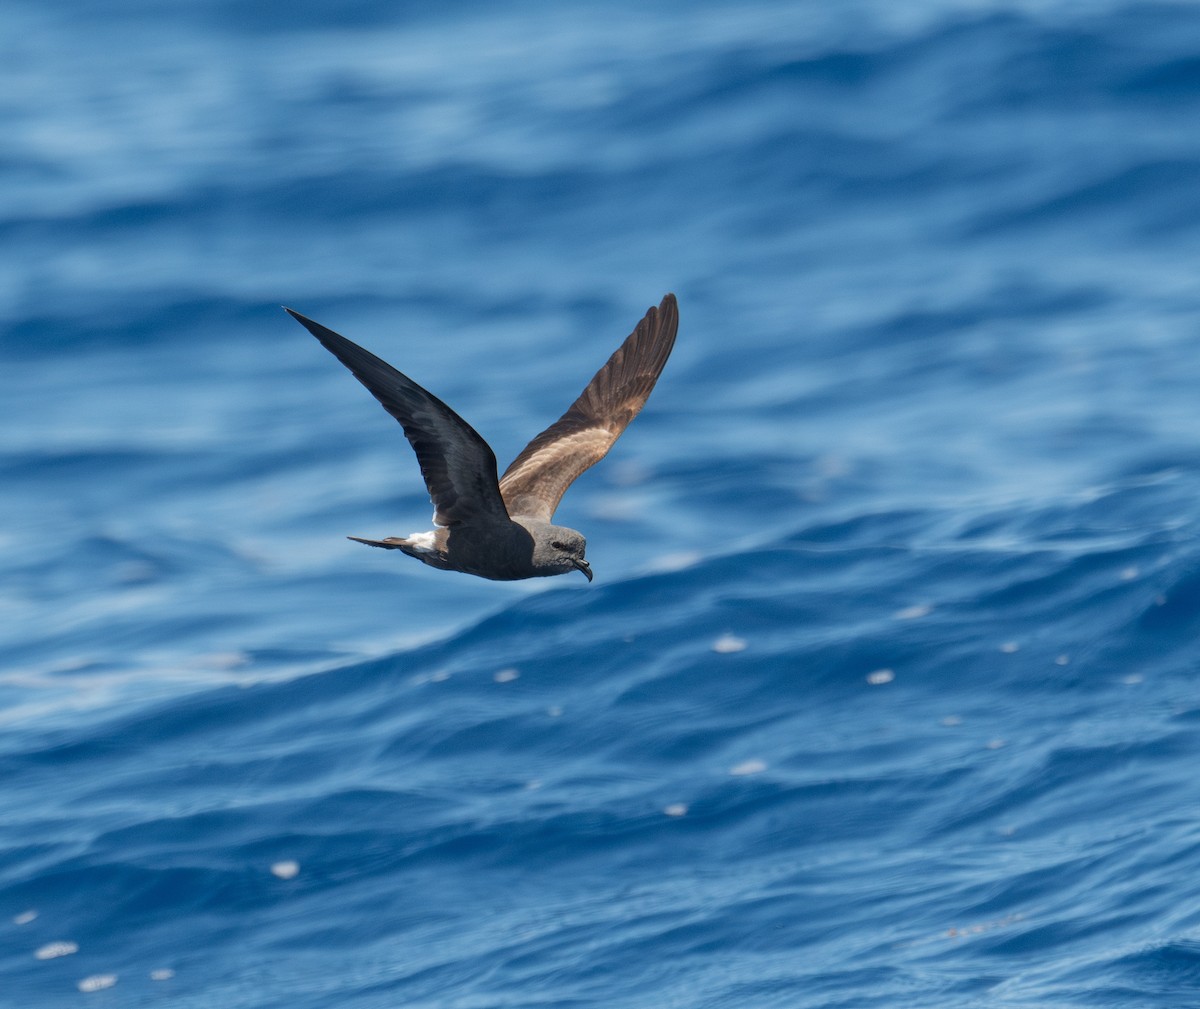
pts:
pixel 501 528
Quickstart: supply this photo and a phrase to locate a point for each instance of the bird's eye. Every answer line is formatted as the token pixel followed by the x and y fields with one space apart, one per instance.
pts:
pixel 557 545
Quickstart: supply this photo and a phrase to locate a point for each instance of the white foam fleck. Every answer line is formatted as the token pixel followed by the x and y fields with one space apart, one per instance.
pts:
pixel 287 869
pixel 162 974
pixel 995 744
pixel 628 473
pixel 617 507
pixel 913 612
pixel 97 982
pixel 439 676
pixel 952 720
pixel 223 660
pixel 25 917
pixel 56 949
pixel 681 561
pixel 136 572
pixel 727 644
pixel 554 711
pixel 832 466
pixel 1129 574
pixel 880 676
pixel 1009 647
pixel 506 675
pixel 748 767
pixel 676 809
pixel 1062 660
pixel 1132 678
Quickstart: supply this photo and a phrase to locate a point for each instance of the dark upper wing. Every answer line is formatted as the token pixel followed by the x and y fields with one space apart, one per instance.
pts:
pixel 458 465
pixel 537 479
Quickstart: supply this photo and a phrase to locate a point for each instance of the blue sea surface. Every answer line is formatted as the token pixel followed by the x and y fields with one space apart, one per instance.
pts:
pixel 886 693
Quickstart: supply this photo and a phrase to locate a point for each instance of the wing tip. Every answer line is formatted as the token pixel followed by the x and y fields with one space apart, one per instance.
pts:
pixel 335 343
pixel 304 321
pixel 662 325
pixel 666 315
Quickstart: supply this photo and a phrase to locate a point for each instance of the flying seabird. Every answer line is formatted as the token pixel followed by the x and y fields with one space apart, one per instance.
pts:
pixel 501 528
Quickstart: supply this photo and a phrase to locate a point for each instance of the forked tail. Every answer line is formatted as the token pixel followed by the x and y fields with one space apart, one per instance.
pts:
pixel 391 543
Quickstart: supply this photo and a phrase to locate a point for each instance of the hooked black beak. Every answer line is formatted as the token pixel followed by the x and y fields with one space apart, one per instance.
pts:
pixel 583 566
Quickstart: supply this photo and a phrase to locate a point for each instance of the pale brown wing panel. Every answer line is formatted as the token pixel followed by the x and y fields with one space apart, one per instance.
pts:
pixel 537 479
pixel 536 487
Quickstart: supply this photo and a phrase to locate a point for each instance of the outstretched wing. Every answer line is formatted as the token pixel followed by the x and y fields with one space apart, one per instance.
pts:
pixel 537 479
pixel 459 467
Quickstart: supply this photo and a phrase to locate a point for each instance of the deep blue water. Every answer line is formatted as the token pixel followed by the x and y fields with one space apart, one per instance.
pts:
pixel 885 694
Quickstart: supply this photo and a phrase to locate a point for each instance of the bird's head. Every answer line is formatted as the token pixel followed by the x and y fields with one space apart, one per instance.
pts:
pixel 559 550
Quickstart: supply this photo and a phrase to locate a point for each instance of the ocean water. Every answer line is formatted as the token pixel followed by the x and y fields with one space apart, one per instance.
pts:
pixel 885 693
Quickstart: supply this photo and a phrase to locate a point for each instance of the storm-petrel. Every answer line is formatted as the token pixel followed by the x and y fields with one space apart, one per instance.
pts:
pixel 501 528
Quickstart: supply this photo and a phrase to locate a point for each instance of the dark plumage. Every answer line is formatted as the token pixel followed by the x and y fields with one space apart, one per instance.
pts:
pixel 502 528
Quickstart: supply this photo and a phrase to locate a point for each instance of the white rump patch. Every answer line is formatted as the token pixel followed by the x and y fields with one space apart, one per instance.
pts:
pixel 422 541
